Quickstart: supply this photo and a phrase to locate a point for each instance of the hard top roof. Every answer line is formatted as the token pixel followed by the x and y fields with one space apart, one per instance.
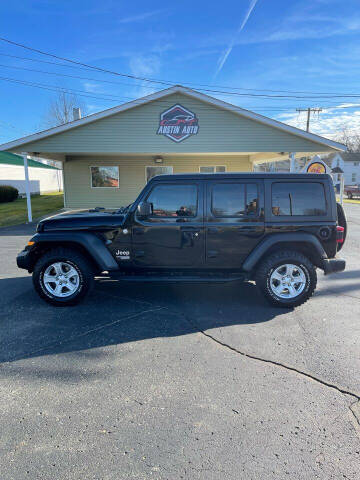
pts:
pixel 235 175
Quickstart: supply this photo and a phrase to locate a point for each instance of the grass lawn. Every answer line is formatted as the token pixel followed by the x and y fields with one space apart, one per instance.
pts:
pixel 13 213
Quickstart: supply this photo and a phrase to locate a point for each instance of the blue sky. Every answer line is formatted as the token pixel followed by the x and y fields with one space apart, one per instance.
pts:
pixel 298 45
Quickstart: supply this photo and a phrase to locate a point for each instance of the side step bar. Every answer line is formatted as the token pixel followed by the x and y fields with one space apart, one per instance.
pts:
pixel 176 279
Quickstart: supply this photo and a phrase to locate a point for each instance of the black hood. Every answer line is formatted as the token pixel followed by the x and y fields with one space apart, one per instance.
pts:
pixel 83 220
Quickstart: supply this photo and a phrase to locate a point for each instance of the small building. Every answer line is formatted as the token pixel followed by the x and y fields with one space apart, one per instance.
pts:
pixel 349 164
pixel 43 178
pixel 108 156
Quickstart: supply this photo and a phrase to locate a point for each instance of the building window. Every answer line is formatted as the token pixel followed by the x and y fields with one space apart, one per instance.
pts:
pixel 353 177
pixel 306 199
pixel 213 169
pixel 153 171
pixel 173 200
pixel 104 177
pixel 234 199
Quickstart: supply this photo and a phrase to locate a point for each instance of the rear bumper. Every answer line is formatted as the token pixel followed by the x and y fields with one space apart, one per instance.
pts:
pixel 333 265
pixel 23 260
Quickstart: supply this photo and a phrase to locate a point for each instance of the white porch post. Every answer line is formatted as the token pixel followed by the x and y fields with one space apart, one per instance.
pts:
pixel 342 182
pixel 27 186
pixel 292 162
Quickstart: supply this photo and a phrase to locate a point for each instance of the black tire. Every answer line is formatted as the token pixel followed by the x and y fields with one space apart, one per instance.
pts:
pixel 275 260
pixel 342 222
pixel 78 262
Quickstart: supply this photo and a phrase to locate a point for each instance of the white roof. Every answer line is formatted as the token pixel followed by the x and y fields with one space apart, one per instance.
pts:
pixel 163 93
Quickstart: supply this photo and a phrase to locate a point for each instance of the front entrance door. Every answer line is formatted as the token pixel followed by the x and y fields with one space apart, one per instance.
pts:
pixel 173 236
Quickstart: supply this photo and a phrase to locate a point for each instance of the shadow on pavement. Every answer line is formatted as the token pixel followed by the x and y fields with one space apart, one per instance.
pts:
pixel 120 313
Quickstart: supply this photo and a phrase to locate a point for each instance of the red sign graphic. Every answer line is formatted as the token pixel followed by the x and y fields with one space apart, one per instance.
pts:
pixel 178 123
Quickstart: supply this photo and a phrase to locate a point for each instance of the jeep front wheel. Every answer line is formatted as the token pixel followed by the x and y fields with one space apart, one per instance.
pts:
pixel 63 277
pixel 286 278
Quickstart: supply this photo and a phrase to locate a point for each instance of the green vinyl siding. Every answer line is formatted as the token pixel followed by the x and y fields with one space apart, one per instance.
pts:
pixel 134 131
pixel 77 181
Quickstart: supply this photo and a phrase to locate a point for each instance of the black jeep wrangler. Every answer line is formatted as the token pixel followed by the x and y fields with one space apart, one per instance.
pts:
pixel 275 229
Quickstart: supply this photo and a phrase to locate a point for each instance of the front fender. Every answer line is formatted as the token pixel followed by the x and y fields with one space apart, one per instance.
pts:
pixel 274 239
pixel 89 241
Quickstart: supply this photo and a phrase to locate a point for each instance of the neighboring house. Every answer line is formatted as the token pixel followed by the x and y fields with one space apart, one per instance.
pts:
pixel 43 178
pixel 349 164
pixel 108 157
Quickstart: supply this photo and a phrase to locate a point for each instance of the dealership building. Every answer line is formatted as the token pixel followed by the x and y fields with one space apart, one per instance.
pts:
pixel 109 156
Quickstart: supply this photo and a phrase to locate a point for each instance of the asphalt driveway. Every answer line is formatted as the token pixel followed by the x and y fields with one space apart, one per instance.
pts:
pixel 179 381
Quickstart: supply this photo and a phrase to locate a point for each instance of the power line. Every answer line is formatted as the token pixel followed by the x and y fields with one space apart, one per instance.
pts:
pixel 184 83
pixel 111 97
pixel 167 83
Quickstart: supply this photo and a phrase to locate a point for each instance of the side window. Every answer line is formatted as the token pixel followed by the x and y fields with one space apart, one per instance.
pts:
pixel 174 200
pixel 212 169
pixel 157 170
pixel 306 199
pixel 234 199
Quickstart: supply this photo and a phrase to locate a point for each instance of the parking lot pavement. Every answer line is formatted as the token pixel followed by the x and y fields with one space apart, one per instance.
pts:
pixel 179 381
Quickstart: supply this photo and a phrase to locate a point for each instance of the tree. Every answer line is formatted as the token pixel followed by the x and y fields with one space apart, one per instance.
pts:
pixel 350 138
pixel 60 110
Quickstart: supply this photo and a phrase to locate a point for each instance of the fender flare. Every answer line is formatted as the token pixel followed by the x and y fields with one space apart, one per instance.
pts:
pixel 92 244
pixel 270 241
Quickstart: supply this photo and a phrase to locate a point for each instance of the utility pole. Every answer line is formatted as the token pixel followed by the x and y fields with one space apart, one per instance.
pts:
pixel 309 112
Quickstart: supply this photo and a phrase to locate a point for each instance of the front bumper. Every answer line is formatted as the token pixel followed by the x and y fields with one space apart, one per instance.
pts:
pixel 24 260
pixel 333 265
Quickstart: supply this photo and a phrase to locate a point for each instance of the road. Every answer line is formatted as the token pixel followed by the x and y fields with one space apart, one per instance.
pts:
pixel 180 381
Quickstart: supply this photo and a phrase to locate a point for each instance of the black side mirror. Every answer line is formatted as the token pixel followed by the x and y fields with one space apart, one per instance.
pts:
pixel 144 209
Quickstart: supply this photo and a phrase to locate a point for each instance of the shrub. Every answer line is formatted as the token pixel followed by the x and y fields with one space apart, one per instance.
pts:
pixel 8 193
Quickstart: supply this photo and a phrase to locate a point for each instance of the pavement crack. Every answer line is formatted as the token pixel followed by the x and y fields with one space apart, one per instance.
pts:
pixel 355 410
pixel 82 334
pixel 279 364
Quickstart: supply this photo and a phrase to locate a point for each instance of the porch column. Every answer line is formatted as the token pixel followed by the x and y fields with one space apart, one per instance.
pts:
pixel 27 186
pixel 292 162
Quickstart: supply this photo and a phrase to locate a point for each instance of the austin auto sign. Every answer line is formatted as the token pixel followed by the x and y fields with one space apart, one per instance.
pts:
pixel 178 123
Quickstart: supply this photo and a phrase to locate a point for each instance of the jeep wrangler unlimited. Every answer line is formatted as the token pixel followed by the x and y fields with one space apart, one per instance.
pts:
pixel 275 229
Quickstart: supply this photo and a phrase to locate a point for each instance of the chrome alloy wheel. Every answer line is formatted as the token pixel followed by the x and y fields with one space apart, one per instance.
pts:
pixel 288 281
pixel 61 279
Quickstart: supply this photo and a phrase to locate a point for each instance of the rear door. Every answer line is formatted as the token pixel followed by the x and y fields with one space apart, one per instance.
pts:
pixel 173 236
pixel 234 221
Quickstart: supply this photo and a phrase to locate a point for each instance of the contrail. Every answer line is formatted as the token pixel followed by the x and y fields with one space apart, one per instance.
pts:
pixel 227 52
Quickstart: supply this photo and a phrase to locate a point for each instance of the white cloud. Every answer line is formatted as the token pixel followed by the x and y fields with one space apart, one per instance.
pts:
pixel 145 66
pixel 142 16
pixel 91 87
pixel 329 122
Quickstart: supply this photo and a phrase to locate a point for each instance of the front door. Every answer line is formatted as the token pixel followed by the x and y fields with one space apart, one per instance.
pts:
pixel 234 221
pixel 173 236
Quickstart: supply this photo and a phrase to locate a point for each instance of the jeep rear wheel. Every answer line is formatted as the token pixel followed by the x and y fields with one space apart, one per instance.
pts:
pixel 63 277
pixel 286 278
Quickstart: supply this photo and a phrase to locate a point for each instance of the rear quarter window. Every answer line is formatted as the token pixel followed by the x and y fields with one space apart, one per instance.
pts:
pixel 298 199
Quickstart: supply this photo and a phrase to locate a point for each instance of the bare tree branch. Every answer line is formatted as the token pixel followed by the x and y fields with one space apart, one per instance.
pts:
pixel 60 110
pixel 350 138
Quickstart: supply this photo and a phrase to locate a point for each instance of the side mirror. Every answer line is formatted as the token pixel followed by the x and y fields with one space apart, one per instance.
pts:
pixel 144 209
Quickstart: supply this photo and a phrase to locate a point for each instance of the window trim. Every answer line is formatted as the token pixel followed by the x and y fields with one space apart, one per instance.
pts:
pixel 175 185
pixel 256 213
pixel 106 166
pixel 302 217
pixel 152 166
pixel 207 166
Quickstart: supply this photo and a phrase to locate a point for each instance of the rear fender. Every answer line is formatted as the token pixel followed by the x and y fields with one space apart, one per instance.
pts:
pixel 284 238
